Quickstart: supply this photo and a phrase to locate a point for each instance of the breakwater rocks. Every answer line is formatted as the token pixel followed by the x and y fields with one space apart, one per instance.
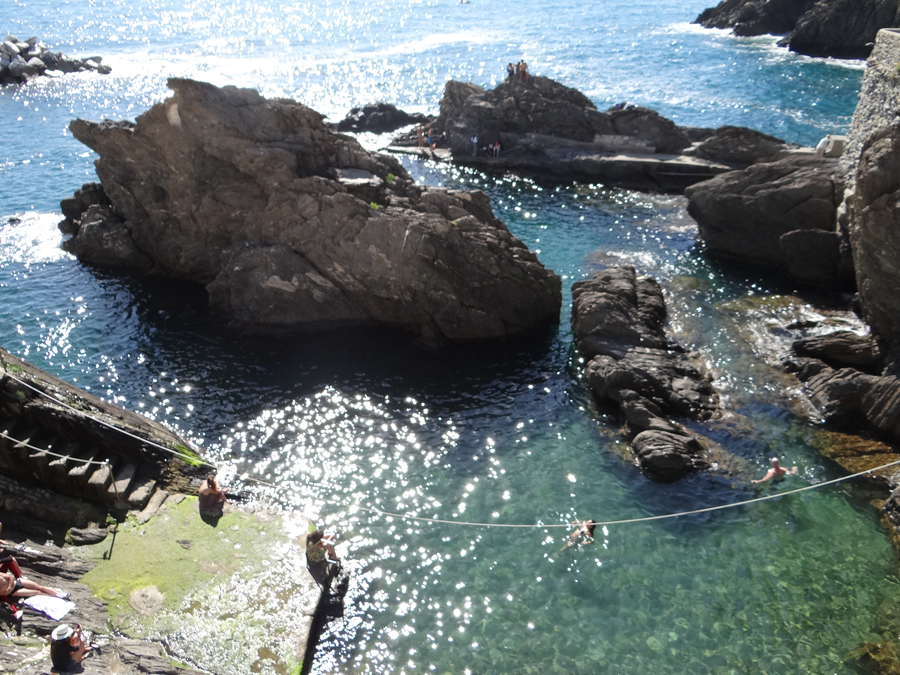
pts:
pixel 546 129
pixel 23 60
pixel 838 28
pixel 618 320
pixel 291 227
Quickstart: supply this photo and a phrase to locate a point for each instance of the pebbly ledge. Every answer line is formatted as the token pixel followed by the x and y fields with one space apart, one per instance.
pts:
pixel 24 60
pixel 548 130
pixel 618 320
pixel 291 227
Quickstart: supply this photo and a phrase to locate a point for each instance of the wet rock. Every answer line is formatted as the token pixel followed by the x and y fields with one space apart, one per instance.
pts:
pixel 618 321
pixel 379 118
pixel 250 197
pixel 843 348
pixel 849 396
pixel 146 601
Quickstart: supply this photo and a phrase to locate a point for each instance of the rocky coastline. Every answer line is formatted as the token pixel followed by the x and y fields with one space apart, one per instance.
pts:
pixel 299 230
pixel 24 60
pixel 111 496
pixel 844 29
pixel 551 131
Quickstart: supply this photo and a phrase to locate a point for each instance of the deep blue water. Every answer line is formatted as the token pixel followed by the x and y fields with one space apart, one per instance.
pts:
pixel 506 433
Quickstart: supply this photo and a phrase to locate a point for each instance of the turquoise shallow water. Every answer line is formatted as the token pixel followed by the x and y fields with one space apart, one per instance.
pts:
pixel 502 434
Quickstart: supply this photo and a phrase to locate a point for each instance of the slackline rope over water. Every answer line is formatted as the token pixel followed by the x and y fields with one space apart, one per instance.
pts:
pixel 425 519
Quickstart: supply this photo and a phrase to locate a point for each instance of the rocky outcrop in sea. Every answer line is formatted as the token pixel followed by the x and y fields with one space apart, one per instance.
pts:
pixel 292 227
pixel 23 60
pixel 379 118
pixel 838 28
pixel 552 131
pixel 780 214
pixel 618 320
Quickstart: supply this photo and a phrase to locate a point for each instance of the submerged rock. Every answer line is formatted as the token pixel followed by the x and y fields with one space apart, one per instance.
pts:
pixel 292 227
pixel 618 320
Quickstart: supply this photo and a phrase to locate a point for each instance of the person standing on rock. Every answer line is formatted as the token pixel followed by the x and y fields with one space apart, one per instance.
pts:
pixel 420 132
pixel 510 72
pixel 474 140
pixel 777 471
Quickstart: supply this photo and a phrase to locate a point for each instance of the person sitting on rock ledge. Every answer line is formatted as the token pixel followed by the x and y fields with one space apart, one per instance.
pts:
pixel 321 558
pixel 16 586
pixel 67 648
pixel 211 497
pixel 776 472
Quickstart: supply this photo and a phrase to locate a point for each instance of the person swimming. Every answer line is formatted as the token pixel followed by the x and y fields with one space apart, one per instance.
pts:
pixel 584 534
pixel 777 471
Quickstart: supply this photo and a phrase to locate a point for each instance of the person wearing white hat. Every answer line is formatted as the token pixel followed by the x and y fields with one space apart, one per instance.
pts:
pixel 67 648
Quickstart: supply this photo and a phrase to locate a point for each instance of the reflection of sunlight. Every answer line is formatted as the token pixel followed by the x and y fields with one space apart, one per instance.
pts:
pixel 32 238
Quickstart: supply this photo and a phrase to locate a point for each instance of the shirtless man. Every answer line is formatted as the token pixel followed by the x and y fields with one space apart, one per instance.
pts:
pixel 777 471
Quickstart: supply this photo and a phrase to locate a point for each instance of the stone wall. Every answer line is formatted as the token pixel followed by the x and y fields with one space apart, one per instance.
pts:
pixel 879 99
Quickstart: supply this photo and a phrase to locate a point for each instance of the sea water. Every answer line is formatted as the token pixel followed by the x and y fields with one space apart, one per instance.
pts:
pixel 354 424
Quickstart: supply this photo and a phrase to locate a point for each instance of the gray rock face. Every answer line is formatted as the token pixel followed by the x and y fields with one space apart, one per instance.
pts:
pixel 618 321
pixel 541 106
pixel 848 396
pixel 843 348
pixel 837 28
pixel 843 29
pixel 739 146
pixel 293 227
pixel 781 214
pixel 379 118
pixel 755 17
pixel 873 213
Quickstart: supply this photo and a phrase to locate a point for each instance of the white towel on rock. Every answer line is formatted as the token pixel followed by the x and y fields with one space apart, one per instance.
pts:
pixel 55 608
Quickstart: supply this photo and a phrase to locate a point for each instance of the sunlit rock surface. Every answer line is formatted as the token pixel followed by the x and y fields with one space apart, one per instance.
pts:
pixel 618 320
pixel 292 227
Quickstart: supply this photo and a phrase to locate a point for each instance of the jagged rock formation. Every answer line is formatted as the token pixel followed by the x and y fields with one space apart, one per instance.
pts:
pixel 22 60
pixel 291 226
pixel 849 381
pixel 618 320
pixel 545 128
pixel 838 28
pixel 99 471
pixel 781 214
pixel 379 118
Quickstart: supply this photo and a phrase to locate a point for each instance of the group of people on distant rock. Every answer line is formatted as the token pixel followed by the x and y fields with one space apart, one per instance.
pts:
pixel 428 139
pixel 489 150
pixel 519 71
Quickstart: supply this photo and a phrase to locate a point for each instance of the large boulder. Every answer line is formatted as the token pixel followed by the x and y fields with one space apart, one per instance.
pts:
pixel 294 227
pixel 739 146
pixel 618 320
pixel 516 110
pixel 873 214
pixel 837 28
pixel 781 214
